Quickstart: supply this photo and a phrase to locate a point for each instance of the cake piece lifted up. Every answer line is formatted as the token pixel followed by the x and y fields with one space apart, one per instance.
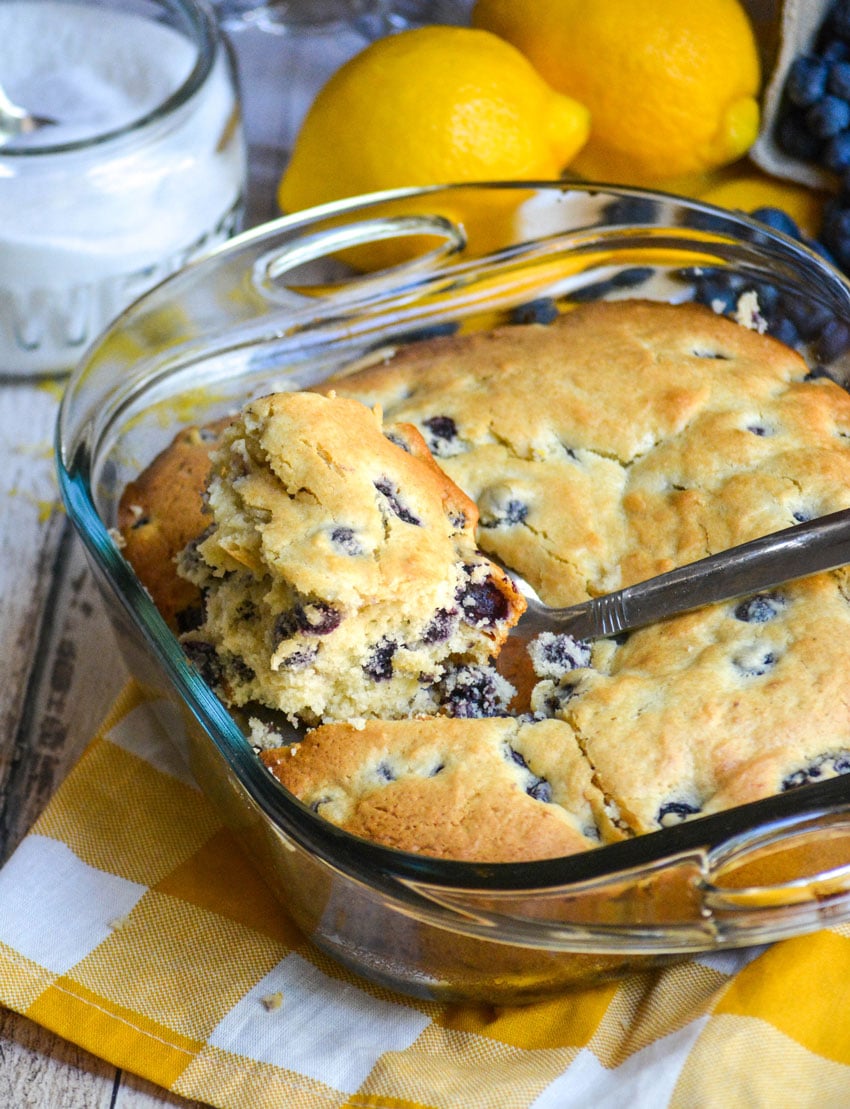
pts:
pixel 340 576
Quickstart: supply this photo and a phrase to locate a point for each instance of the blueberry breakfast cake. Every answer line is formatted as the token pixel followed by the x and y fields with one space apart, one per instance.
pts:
pixel 616 442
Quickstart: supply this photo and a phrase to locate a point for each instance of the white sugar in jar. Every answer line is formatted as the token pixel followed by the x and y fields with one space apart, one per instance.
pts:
pixel 143 170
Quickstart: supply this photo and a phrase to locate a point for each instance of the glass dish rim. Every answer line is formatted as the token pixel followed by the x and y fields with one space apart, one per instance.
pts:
pixel 362 858
pixel 207 40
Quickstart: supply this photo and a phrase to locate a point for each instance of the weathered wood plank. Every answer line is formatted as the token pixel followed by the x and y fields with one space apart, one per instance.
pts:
pixel 39 1070
pixel 30 534
pixel 55 691
pixel 75 678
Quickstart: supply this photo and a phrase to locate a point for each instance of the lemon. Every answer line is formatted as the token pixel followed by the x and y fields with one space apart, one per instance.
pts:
pixel 671 85
pixel 430 106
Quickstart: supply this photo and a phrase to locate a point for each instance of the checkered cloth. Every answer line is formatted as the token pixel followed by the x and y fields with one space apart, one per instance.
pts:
pixel 132 924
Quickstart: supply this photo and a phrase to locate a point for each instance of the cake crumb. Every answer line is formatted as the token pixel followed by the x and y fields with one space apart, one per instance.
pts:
pixel 748 314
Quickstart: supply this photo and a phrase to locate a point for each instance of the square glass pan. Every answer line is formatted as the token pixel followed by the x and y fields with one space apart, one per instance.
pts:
pixel 280 308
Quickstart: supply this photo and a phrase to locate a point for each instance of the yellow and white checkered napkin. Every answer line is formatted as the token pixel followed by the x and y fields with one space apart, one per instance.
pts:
pixel 132 924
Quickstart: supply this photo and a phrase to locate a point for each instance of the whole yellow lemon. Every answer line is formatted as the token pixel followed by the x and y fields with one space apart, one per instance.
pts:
pixel 431 106
pixel 671 85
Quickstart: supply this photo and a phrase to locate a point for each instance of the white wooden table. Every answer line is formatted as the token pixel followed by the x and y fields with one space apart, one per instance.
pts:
pixel 57 685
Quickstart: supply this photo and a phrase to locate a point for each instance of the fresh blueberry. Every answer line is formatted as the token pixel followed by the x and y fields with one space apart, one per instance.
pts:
pixel 778 220
pixel 818 247
pixel 828 116
pixel 833 50
pixel 835 221
pixel 542 310
pixel 596 290
pixel 717 294
pixel 768 297
pixel 836 153
pixel 839 20
pixel 632 276
pixel 429 331
pixel 631 209
pixel 796 139
pixel 807 80
pixel 809 317
pixel 784 330
pixel 833 341
pixel 838 81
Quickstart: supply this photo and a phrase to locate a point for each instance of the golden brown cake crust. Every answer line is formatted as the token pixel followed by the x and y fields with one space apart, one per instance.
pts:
pixel 486 790
pixel 161 511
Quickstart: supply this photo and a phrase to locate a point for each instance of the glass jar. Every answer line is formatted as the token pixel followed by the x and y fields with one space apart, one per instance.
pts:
pixel 142 169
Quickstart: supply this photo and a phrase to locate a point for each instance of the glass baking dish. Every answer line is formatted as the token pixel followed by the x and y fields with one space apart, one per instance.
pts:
pixel 283 307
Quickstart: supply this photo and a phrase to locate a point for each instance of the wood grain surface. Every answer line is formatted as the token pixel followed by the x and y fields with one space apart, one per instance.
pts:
pixel 61 671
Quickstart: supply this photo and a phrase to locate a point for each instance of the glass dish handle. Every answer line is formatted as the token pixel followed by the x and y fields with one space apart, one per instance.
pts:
pixel 282 261
pixel 783 877
pixel 801 860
